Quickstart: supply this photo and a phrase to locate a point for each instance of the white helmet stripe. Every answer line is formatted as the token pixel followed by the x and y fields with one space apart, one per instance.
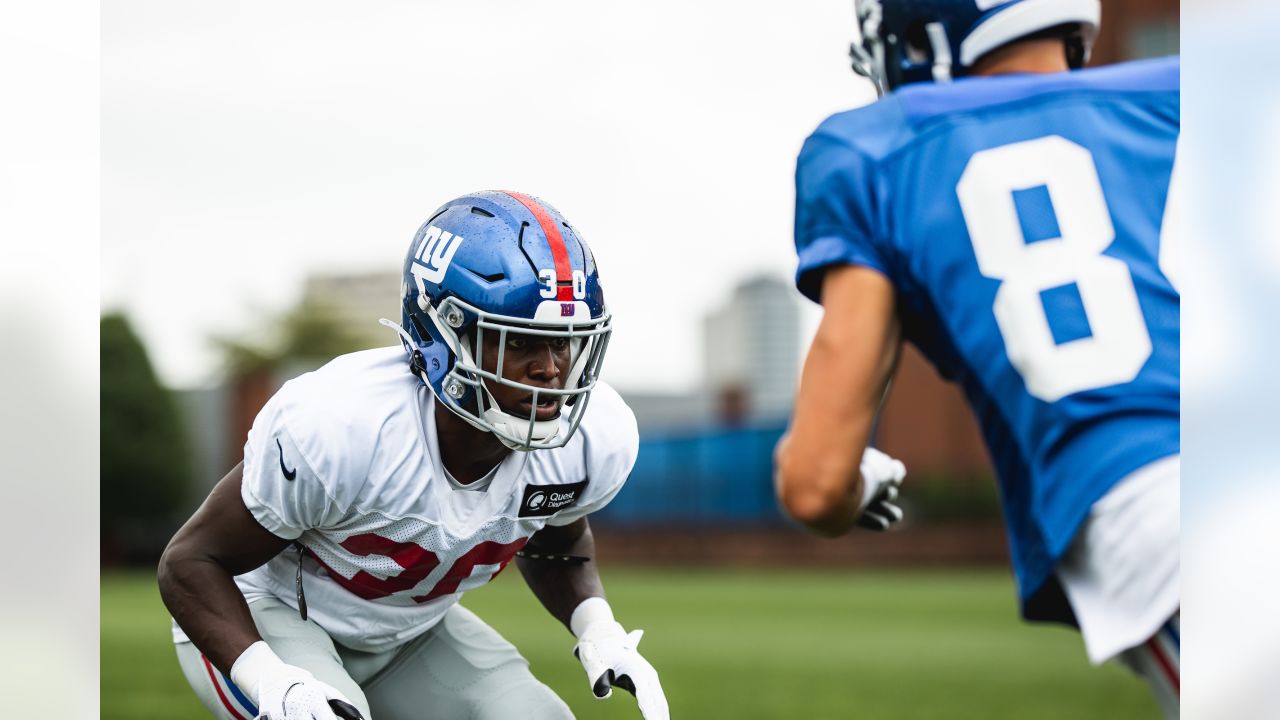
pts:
pixel 1025 18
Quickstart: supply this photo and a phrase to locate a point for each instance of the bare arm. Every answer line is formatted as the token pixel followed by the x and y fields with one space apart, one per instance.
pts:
pixel 562 586
pixel 221 540
pixel 849 365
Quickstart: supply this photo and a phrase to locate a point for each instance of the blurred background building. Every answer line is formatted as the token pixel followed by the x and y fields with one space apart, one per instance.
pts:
pixel 1136 29
pixel 356 301
pixel 751 352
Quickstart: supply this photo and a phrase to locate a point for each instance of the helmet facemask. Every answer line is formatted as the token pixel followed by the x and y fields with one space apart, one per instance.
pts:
pixel 889 59
pixel 867 54
pixel 910 41
pixel 467 330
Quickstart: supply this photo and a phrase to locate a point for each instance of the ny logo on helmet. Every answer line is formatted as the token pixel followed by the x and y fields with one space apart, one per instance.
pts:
pixel 433 256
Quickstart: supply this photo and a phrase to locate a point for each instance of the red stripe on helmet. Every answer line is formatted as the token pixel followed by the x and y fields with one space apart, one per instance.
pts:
pixel 564 271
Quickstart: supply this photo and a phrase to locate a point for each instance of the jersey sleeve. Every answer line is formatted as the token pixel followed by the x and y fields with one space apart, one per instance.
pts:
pixel 281 486
pixel 611 443
pixel 835 212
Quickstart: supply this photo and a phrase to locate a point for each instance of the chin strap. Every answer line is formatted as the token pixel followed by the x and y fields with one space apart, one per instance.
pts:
pixel 533 552
pixel 517 427
pixel 302 598
pixel 941 52
pixel 417 364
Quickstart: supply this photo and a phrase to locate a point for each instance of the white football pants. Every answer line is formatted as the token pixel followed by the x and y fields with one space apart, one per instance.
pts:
pixel 1158 661
pixel 461 668
pixel 1122 577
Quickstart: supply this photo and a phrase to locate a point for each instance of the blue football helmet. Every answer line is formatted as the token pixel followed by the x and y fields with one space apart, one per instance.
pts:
pixel 492 263
pixel 906 41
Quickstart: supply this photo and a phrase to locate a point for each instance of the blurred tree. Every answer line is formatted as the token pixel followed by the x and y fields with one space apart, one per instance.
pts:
pixel 146 459
pixel 311 331
pixel 303 338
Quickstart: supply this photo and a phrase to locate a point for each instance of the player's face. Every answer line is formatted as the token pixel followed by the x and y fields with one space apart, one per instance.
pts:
pixel 535 360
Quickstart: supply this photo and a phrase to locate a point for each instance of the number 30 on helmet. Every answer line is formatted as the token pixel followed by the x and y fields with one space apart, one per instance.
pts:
pixel 492 263
pixel 906 41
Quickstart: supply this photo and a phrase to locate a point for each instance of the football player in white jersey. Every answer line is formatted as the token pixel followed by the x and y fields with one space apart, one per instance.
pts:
pixel 321 577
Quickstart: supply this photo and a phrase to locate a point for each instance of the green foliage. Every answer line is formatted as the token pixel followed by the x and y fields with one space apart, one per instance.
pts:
pixel 311 331
pixel 744 644
pixel 146 461
pixel 947 497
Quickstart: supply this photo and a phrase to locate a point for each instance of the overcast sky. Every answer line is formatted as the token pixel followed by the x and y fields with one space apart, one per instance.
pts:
pixel 246 145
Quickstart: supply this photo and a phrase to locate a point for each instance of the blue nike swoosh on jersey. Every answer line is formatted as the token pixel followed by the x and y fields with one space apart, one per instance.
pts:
pixel 288 474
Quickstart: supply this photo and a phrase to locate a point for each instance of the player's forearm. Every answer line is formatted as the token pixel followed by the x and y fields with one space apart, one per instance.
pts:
pixel 824 497
pixel 845 374
pixel 559 585
pixel 204 600
pixel 818 481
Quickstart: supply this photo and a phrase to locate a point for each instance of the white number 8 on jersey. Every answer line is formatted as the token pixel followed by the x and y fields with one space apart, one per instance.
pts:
pixel 1120 342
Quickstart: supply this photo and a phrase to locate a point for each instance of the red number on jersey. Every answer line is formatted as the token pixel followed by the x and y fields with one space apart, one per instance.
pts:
pixel 486 553
pixel 418 562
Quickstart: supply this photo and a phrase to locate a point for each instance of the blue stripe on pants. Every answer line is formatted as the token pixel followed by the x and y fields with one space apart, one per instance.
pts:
pixel 239 695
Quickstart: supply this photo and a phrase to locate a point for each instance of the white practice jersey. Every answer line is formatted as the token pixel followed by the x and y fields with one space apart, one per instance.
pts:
pixel 345 460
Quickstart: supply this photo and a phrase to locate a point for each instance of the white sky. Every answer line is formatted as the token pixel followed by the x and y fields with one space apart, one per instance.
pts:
pixel 246 145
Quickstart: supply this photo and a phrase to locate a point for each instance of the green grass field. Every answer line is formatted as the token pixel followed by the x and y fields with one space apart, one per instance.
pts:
pixel 739 644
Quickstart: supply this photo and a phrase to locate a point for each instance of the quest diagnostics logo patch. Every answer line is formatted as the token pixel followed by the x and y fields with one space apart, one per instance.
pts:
pixel 546 500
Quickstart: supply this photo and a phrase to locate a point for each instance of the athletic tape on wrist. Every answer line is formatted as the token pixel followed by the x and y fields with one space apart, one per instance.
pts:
pixel 589 612
pixel 248 669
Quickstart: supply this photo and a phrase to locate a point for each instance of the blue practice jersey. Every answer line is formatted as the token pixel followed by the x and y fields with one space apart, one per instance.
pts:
pixel 1020 220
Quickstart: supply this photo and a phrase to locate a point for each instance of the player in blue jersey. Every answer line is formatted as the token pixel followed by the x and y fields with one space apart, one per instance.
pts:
pixel 1006 212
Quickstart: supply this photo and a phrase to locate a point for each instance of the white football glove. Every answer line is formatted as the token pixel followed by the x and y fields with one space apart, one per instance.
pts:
pixel 280 690
pixel 608 654
pixel 881 478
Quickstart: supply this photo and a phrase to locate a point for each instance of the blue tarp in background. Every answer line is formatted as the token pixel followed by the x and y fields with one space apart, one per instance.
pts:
pixel 706 476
